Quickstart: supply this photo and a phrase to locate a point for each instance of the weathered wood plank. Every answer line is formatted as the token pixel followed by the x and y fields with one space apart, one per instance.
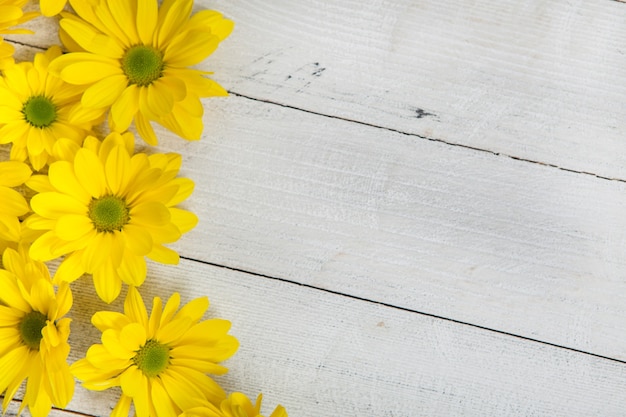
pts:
pixel 327 355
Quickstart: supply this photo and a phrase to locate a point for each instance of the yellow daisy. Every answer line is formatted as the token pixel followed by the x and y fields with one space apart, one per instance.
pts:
pixel 238 405
pixel 161 362
pixel 33 335
pixel 11 14
pixel 135 56
pixel 108 211
pixel 35 107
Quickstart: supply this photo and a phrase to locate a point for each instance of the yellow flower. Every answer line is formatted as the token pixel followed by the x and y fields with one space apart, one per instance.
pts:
pixel 34 109
pixel 238 405
pixel 161 361
pixel 11 14
pixel 33 335
pixel 108 211
pixel 134 56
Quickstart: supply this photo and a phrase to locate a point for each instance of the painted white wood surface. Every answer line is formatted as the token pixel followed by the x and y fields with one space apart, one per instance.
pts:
pixel 504 244
pixel 320 354
pixel 390 217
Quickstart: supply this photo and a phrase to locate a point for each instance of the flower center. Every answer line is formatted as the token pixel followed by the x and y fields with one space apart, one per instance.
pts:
pixel 108 213
pixel 142 64
pixel 39 111
pixel 152 358
pixel 30 329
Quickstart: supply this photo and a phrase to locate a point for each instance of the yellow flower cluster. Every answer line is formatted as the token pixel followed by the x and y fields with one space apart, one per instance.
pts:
pixel 97 206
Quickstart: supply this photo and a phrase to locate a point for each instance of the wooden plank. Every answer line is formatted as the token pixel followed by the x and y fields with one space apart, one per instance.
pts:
pixel 538 80
pixel 328 355
pixel 457 233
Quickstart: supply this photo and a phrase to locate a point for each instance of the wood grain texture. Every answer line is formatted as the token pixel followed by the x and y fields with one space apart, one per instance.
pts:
pixel 326 355
pixel 504 244
pixel 540 80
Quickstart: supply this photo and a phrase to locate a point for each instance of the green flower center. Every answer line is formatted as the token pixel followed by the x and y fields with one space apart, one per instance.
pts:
pixel 30 329
pixel 142 64
pixel 152 358
pixel 39 111
pixel 109 213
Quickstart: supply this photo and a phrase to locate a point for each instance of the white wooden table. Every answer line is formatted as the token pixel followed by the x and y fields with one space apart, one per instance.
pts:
pixel 408 207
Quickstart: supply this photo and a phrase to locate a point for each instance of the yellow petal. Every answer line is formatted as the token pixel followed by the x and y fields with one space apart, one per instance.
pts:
pixel 147 14
pixel 62 386
pixel 112 343
pixel 13 203
pixel 212 20
pixel 53 205
pixel 145 130
pixel 138 240
pixel 161 400
pixel 90 172
pixel 98 252
pixel 184 394
pixel 183 219
pixel 117 168
pixel 52 8
pixel 122 408
pixel 91 39
pixel 133 382
pixel 164 255
pixel 190 48
pixel 171 19
pixel 156 101
pixel 63 179
pixel 151 213
pixel 135 308
pixel 73 226
pixel 70 269
pixel 195 309
pixel 133 269
pixel 88 72
pixel 107 282
pixel 124 12
pixel 171 332
pixel 124 108
pixel 104 320
pixel 133 337
pixel 104 92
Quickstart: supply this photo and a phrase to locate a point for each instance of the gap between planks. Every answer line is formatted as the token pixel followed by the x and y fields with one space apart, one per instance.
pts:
pixel 458 145
pixel 408 310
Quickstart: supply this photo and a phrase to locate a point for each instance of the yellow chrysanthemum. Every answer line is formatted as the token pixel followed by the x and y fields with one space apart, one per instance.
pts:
pixel 34 109
pixel 11 14
pixel 238 405
pixel 108 210
pixel 33 335
pixel 134 56
pixel 161 362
